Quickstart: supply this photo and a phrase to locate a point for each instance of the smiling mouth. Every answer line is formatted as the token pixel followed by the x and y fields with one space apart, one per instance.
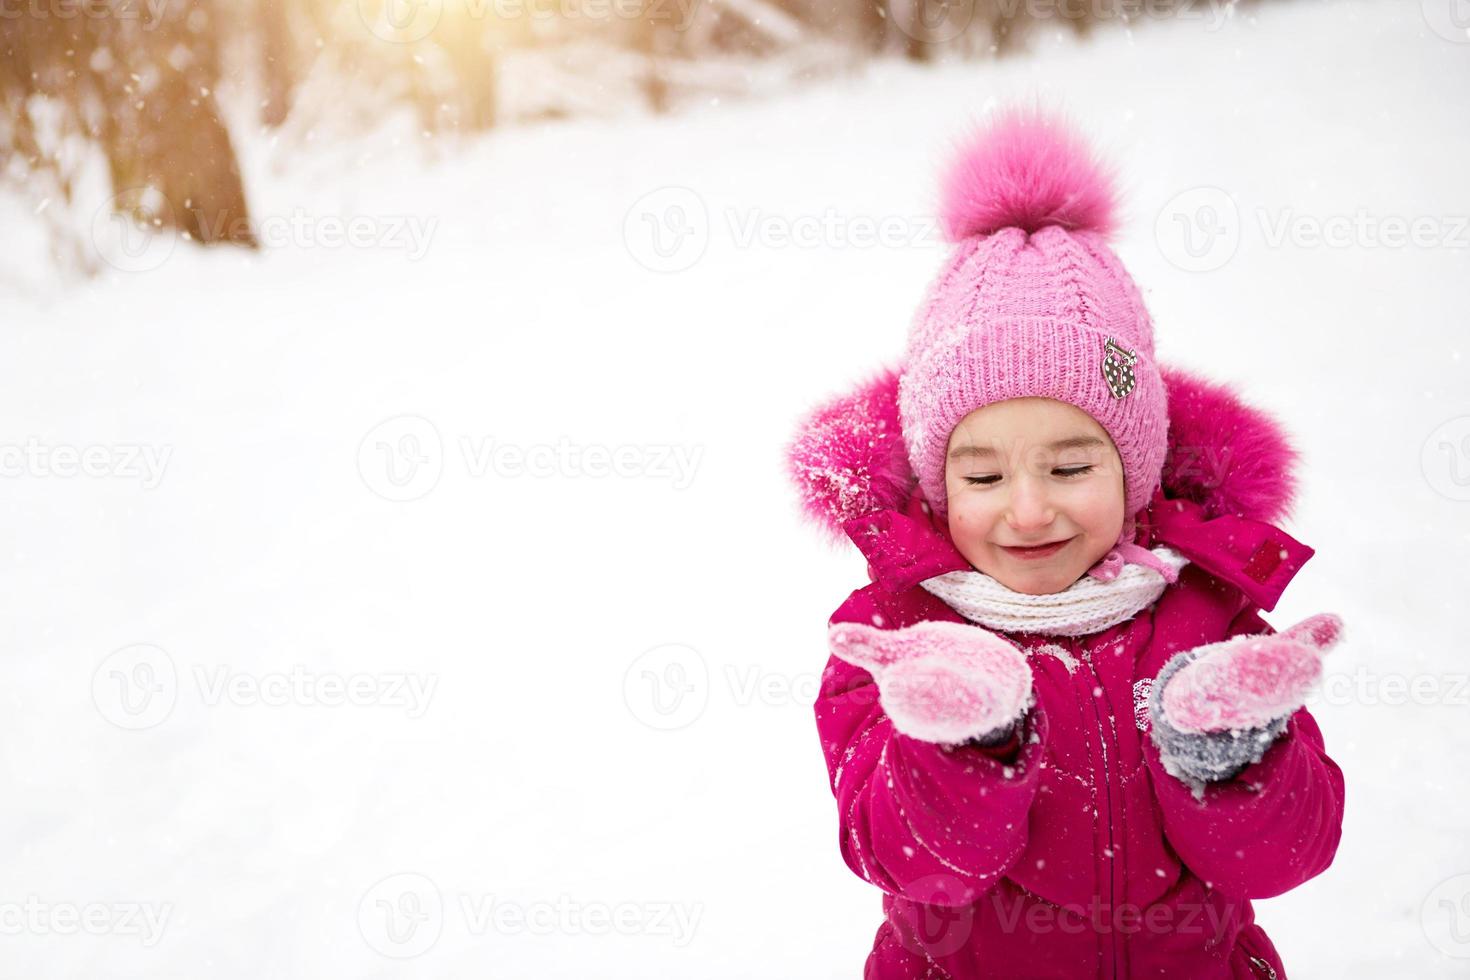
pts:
pixel 1040 551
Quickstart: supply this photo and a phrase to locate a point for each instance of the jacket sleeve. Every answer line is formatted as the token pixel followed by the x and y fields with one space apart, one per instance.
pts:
pixel 934 824
pixel 1274 825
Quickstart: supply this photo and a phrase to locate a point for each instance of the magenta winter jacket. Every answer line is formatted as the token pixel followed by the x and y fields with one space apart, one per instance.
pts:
pixel 1069 852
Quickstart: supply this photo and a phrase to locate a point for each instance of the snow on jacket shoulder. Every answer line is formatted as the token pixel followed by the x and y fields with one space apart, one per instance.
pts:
pixel 1069 852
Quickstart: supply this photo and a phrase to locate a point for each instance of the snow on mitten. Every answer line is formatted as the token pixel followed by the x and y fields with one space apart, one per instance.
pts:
pixel 943 682
pixel 1217 708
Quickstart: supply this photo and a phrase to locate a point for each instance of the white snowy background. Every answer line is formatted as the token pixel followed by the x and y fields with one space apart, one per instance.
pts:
pixel 612 770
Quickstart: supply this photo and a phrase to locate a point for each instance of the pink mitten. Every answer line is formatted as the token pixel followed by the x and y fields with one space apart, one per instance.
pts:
pixel 940 682
pixel 1248 681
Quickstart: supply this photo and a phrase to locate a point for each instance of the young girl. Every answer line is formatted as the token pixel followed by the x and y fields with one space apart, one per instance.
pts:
pixel 1061 738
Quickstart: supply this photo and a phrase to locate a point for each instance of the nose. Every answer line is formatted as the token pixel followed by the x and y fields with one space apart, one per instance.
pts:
pixel 1029 510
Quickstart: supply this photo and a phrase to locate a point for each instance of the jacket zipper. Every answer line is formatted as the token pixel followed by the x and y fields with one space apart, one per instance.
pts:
pixel 1100 776
pixel 1270 973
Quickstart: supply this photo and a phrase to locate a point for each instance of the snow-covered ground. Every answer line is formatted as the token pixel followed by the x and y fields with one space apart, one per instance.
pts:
pixel 435 607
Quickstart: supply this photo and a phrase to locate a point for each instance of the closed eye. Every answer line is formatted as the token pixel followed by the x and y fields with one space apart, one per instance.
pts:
pixel 1068 472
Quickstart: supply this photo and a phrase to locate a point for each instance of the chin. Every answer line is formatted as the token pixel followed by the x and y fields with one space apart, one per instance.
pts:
pixel 1042 583
pixel 1035 588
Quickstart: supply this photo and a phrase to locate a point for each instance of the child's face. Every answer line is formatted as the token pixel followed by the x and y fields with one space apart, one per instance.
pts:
pixel 1008 486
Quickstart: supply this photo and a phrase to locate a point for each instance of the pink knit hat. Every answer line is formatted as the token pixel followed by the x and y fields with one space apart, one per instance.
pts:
pixel 1032 303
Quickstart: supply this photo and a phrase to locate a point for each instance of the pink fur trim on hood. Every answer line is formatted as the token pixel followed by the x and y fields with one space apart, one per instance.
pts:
pixel 847 458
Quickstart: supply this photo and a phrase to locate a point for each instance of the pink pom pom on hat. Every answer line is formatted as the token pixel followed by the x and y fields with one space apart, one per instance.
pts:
pixel 1033 303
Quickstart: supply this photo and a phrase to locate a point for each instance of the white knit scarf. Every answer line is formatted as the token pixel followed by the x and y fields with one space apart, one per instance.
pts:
pixel 1086 606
